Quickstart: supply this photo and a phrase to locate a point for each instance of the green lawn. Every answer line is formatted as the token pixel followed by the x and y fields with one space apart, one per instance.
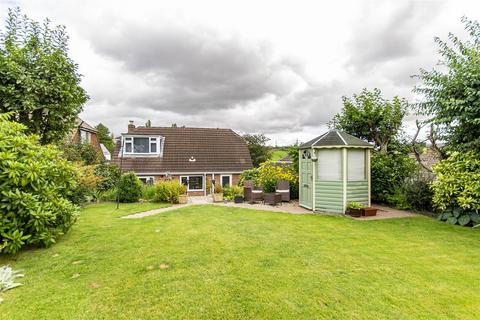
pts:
pixel 216 262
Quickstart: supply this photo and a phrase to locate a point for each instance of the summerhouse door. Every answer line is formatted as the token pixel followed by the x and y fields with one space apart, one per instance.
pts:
pixel 306 190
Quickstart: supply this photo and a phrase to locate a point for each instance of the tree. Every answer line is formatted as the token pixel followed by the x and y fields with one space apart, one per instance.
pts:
pixel 105 137
pixel 451 98
pixel 35 186
pixel 371 117
pixel 82 152
pixel 257 146
pixel 39 83
pixel 148 124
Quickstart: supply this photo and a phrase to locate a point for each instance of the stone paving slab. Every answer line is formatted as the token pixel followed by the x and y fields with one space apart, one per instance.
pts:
pixel 155 211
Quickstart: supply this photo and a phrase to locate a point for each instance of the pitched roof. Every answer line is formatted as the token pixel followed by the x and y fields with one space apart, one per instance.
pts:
pixel 336 138
pixel 214 150
pixel 80 124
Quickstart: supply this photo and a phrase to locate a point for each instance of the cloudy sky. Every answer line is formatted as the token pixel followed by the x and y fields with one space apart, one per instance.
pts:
pixel 277 67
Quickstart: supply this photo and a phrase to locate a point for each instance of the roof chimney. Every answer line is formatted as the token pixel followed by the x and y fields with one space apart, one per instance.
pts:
pixel 131 126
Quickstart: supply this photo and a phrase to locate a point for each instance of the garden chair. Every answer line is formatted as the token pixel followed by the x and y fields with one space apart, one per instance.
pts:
pixel 283 187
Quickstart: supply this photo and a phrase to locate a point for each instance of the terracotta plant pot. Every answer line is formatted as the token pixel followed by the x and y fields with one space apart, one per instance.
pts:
pixel 369 212
pixel 182 199
pixel 354 212
pixel 217 197
pixel 238 199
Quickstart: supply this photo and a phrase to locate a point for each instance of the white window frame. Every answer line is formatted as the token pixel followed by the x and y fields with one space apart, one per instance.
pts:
pixel 157 140
pixel 146 178
pixel 85 136
pixel 188 184
pixel 322 156
pixel 229 177
pixel 350 163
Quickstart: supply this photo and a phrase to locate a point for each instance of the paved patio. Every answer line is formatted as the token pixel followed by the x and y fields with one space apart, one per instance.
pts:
pixel 290 207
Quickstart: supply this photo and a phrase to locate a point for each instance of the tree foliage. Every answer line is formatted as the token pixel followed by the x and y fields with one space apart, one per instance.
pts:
pixel 451 92
pixel 129 188
pixel 83 152
pixel 371 117
pixel 105 137
pixel 257 146
pixel 35 184
pixel 39 83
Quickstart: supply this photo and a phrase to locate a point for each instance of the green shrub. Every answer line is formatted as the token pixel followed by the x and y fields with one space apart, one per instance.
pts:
pixel 110 174
pixel 355 205
pixel 86 189
pixel 398 199
pixel 418 192
pixel 85 153
pixel 169 191
pixel 35 183
pixel 108 196
pixel 251 174
pixel 459 216
pixel 129 188
pixel 457 182
pixel 389 172
pixel 148 192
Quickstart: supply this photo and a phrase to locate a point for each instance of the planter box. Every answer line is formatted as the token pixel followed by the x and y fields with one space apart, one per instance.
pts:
pixel 272 198
pixel 369 212
pixel 238 199
pixel 182 199
pixel 217 197
pixel 354 212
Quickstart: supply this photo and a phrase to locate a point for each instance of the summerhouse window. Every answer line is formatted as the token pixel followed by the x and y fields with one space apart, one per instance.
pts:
pixel 356 165
pixel 330 165
pixel 142 145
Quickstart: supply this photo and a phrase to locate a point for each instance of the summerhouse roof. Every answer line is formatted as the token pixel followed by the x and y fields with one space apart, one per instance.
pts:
pixel 336 138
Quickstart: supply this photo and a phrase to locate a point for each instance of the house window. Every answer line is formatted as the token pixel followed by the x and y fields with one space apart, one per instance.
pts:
pixel 330 165
pixel 193 183
pixel 147 180
pixel 356 165
pixel 142 145
pixel 226 181
pixel 85 136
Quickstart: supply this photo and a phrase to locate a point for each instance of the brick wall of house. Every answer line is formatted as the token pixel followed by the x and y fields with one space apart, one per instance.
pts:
pixel 235 179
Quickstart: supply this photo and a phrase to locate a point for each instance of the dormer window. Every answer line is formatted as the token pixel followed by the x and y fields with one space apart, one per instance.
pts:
pixel 142 145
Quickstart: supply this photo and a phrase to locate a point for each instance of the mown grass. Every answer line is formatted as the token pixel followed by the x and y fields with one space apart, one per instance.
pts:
pixel 278 154
pixel 216 262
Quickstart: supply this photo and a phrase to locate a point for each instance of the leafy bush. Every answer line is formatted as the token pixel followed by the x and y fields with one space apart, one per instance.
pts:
pixel 459 216
pixel 457 182
pixel 169 191
pixel 110 174
pixel 85 153
pixel 35 183
pixel 389 172
pixel 148 192
pixel 109 195
pixel 268 175
pixel 129 188
pixel 228 193
pixel 418 193
pixel 87 185
pixel 398 198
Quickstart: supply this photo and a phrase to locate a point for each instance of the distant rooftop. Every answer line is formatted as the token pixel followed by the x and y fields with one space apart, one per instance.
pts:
pixel 336 138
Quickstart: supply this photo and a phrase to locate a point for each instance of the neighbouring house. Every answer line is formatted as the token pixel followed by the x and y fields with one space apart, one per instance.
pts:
pixel 85 133
pixel 196 157
pixel 334 170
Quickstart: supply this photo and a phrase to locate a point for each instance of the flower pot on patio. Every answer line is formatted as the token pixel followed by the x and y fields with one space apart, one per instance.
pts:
pixel 354 212
pixel 369 212
pixel 182 199
pixel 272 198
pixel 217 197
pixel 238 199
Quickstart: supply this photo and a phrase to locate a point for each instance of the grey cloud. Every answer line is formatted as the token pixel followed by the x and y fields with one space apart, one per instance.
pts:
pixel 195 69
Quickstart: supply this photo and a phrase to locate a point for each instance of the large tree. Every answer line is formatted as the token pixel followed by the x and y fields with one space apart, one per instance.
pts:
pixel 452 91
pixel 105 137
pixel 371 117
pixel 257 145
pixel 39 82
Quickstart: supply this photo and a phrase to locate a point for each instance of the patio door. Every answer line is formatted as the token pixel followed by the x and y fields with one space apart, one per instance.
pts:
pixel 306 179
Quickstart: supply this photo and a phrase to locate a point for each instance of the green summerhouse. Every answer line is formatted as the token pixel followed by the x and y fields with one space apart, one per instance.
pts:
pixel 334 170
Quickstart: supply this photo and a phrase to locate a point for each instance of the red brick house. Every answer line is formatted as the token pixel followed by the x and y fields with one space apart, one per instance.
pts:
pixel 84 132
pixel 194 156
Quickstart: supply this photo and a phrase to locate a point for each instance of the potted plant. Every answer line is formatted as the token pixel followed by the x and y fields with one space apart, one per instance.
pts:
pixel 369 211
pixel 269 187
pixel 218 193
pixel 183 198
pixel 355 209
pixel 237 194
